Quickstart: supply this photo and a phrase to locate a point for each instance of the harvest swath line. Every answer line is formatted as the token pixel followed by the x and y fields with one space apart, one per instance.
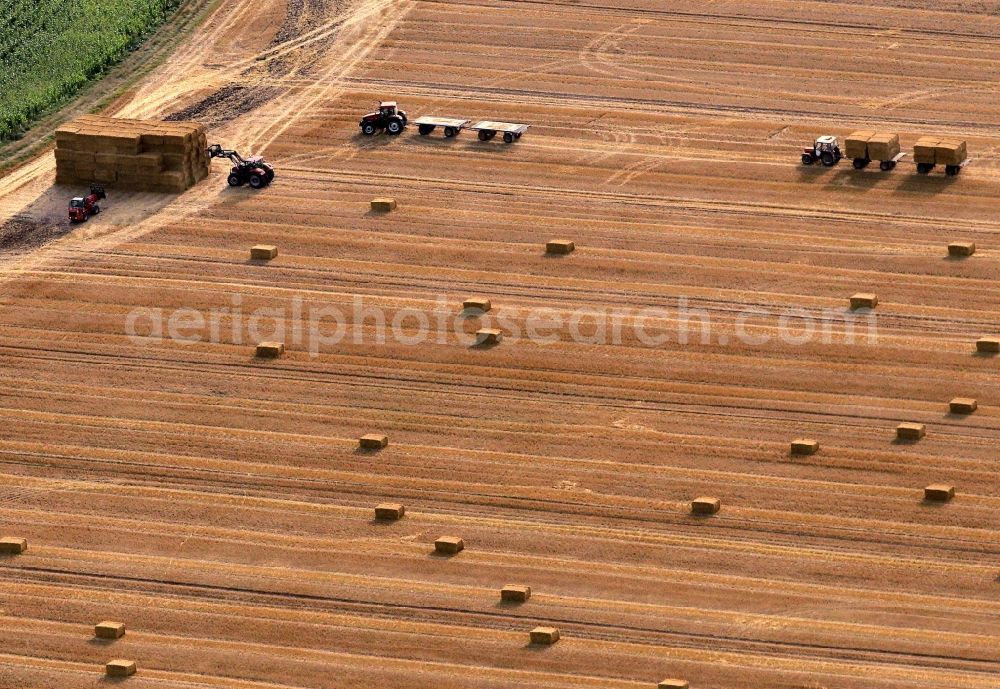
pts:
pixel 953 329
pixel 518 509
pixel 582 630
pixel 715 19
pixel 661 201
pixel 375 380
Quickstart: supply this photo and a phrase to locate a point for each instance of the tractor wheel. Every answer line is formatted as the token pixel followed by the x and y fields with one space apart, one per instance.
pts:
pixel 270 176
pixel 235 181
pixel 952 170
pixel 394 126
pixel 807 159
pixel 450 131
pixel 257 182
pixel 508 137
pixel 95 210
pixel 425 129
pixel 368 129
pixel 829 160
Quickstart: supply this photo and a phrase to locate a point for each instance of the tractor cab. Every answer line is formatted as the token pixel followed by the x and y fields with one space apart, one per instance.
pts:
pixel 826 143
pixel 82 207
pixel 77 209
pixel 387 108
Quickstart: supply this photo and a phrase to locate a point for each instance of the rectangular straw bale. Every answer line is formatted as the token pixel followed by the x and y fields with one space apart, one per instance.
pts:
pixel 107 175
pixel 488 336
pixel 514 593
pixel 963 405
pixel 150 162
pixel 449 545
pixel 883 146
pixel 12 545
pixel 560 246
pixel 925 150
pixel 863 300
pixel 673 684
pixel 705 505
pixel 270 350
pixel 174 161
pixel 911 431
pixel 66 135
pixel 120 668
pixel 152 138
pixel 961 249
pixel 263 252
pixel 477 303
pixel 373 441
pixel 804 446
pixel 939 492
pixel 389 511
pixel 950 152
pixel 545 636
pixel 856 144
pixel 988 345
pixel 109 630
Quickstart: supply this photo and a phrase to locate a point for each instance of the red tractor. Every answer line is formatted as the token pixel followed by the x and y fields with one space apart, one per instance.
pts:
pixel 254 171
pixel 82 207
pixel 825 150
pixel 387 117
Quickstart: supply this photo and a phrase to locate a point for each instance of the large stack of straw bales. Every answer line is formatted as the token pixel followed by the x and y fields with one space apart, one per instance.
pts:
pixel 933 150
pixel 872 145
pixel 143 155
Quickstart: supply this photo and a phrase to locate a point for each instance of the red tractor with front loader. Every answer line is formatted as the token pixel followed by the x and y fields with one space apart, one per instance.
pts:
pixel 388 117
pixel 82 207
pixel 254 171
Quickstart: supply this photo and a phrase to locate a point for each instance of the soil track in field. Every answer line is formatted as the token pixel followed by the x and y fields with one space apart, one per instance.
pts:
pixel 226 104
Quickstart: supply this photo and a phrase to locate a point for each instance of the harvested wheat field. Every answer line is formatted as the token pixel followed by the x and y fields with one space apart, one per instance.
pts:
pixel 220 505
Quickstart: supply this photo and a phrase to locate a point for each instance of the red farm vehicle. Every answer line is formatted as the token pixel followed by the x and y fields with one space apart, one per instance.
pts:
pixel 82 207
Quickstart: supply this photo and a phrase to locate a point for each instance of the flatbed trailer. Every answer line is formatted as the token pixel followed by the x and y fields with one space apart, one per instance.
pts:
pixel 510 130
pixel 884 165
pixel 451 125
pixel 949 170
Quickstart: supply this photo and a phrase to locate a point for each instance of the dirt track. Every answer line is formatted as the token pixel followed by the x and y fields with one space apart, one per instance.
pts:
pixel 218 505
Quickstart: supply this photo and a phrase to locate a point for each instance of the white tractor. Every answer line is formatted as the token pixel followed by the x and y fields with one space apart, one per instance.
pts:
pixel 825 150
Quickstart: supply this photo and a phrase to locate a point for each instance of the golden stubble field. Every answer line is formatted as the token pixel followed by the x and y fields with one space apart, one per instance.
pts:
pixel 218 504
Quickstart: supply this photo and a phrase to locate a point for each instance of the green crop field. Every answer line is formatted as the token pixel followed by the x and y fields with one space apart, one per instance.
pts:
pixel 50 48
